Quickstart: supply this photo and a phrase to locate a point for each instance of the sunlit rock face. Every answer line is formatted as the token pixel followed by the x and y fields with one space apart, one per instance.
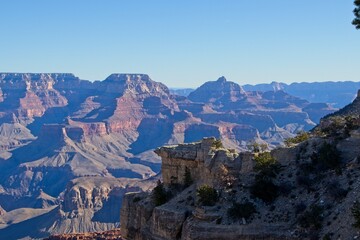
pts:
pixel 56 129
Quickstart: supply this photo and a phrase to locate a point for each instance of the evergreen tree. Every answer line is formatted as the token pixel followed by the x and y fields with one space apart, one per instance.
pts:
pixel 160 195
pixel 356 21
pixel 187 177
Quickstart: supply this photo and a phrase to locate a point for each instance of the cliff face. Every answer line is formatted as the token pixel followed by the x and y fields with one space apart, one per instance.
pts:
pixel 182 217
pixel 31 94
pixel 306 191
pixel 204 163
pixel 56 128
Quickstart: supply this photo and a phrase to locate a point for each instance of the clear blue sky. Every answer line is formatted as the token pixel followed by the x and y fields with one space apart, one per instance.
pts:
pixel 182 43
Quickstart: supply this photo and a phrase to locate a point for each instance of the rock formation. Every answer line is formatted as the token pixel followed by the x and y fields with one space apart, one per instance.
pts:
pixel 108 235
pixel 57 131
pixel 205 163
pixel 208 164
pixel 309 190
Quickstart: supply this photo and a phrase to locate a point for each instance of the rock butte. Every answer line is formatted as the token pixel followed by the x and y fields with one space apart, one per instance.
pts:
pixel 70 138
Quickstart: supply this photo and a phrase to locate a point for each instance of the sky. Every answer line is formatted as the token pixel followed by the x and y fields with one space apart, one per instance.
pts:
pixel 183 43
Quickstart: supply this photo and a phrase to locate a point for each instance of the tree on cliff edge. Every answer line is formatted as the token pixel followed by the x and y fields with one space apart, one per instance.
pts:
pixel 356 21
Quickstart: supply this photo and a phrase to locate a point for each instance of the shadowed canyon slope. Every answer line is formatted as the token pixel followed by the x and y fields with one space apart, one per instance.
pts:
pixel 68 147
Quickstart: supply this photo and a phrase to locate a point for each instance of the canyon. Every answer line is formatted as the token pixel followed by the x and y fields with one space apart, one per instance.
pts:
pixel 71 148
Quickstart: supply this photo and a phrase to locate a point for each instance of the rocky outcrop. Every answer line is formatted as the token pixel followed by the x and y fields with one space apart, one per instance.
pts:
pixel 350 109
pixel 135 216
pixel 207 162
pixel 302 185
pixel 108 235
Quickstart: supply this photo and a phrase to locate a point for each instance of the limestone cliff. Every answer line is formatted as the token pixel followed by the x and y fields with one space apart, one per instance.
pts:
pixel 181 217
pixel 306 191
pixel 206 163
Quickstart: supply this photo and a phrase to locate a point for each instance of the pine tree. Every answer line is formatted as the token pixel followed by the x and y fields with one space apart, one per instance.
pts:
pixel 356 21
pixel 160 195
pixel 187 177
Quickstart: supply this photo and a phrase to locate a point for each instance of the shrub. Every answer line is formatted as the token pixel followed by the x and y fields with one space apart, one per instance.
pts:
pixel 305 181
pixel 336 192
pixel 241 210
pixel 326 237
pixel 217 144
pixel 355 210
pixel 300 137
pixel 264 189
pixel 285 188
pixel 299 208
pixel 328 157
pixel 264 160
pixel 208 196
pixel 160 195
pixel 333 125
pixel 257 147
pixel 312 219
pixel 187 177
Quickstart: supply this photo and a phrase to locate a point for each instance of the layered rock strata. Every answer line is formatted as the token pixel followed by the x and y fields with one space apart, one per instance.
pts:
pixel 209 164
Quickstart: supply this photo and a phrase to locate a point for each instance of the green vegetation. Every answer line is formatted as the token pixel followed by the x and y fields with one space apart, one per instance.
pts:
pixel 355 210
pixel 208 195
pixel 241 210
pixel 264 189
pixel 356 21
pixel 326 237
pixel 313 218
pixel 264 161
pixel 338 126
pixel 257 147
pixel 187 177
pixel 300 137
pixel 331 126
pixel 160 195
pixel 136 199
pixel 217 144
pixel 328 157
pixel 336 192
pixel 267 169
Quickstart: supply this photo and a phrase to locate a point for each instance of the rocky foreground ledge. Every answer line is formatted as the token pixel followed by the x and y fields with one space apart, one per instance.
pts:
pixel 306 191
pixel 208 164
pixel 108 235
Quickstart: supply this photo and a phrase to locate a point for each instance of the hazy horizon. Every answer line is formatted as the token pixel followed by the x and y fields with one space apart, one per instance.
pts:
pixel 177 87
